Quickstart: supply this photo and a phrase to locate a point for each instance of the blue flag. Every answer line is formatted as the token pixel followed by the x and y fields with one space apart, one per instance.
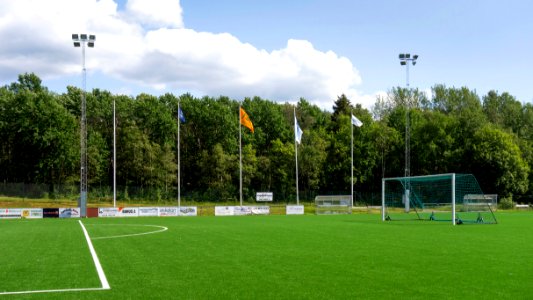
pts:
pixel 181 115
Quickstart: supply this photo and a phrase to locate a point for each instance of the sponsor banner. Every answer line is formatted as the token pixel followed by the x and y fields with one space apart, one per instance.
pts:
pixel 295 209
pixel 32 213
pixel 188 211
pixel 128 211
pixel 107 212
pixel 10 213
pixel 242 210
pixel 171 211
pixel 50 212
pixel 69 212
pixel 264 196
pixel 224 210
pixel 148 212
pixel 260 210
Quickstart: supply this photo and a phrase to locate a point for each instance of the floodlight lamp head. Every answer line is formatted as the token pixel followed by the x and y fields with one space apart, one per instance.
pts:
pixel 77 44
pixel 92 37
pixel 90 44
pixel 414 62
pixel 403 63
pixel 415 56
pixel 402 56
pixel 75 37
pixel 407 55
pixel 83 36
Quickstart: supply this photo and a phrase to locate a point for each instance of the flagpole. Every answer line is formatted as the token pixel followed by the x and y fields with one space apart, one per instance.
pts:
pixel 351 176
pixel 296 156
pixel 240 157
pixel 179 162
pixel 114 156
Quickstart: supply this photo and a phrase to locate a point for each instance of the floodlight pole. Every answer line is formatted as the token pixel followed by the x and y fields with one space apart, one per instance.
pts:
pixel 82 40
pixel 405 59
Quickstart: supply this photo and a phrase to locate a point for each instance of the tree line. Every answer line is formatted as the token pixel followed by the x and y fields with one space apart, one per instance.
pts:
pixel 452 130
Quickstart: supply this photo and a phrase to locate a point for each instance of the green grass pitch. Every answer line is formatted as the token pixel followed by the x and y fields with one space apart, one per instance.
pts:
pixel 269 257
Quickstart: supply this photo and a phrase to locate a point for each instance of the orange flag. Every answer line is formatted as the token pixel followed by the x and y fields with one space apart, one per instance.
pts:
pixel 245 120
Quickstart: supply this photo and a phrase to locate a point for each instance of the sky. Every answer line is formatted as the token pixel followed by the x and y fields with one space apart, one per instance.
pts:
pixel 279 50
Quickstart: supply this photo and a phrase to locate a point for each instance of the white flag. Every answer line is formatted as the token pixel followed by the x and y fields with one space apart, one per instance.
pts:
pixel 297 132
pixel 356 122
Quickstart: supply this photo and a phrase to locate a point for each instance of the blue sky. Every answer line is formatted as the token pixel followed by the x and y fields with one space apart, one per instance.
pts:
pixel 280 50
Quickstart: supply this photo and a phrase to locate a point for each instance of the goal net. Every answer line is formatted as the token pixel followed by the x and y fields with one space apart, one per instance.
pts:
pixel 456 198
pixel 328 205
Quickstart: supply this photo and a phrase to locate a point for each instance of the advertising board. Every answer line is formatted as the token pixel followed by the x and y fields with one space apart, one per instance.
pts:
pixel 148 211
pixel 70 212
pixel 32 213
pixel 171 211
pixel 107 212
pixel 188 211
pixel 10 213
pixel 128 211
pixel 264 197
pixel 295 210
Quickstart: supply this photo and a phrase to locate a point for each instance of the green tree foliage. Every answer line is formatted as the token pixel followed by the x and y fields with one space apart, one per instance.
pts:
pixel 451 131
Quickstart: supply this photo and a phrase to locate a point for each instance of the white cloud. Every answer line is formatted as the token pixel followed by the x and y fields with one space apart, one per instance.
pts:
pixel 147 44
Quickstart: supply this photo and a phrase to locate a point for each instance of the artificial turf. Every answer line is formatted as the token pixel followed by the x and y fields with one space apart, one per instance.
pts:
pixel 270 257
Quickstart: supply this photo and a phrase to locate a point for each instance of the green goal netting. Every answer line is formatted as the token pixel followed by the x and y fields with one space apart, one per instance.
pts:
pixel 456 198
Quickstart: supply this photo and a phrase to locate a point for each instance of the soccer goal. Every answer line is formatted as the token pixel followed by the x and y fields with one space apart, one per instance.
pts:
pixel 456 198
pixel 329 205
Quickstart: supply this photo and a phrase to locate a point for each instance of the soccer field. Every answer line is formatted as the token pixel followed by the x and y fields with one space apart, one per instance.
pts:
pixel 267 257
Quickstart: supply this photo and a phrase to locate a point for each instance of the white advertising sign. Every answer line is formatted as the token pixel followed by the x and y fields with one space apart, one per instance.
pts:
pixel 188 211
pixel 224 210
pixel 264 196
pixel 106 212
pixel 171 211
pixel 242 210
pixel 260 210
pixel 32 213
pixel 128 211
pixel 148 211
pixel 295 210
pixel 10 213
pixel 70 212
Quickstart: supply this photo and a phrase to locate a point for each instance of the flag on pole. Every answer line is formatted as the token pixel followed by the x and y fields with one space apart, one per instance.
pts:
pixel 181 115
pixel 297 131
pixel 245 121
pixel 356 121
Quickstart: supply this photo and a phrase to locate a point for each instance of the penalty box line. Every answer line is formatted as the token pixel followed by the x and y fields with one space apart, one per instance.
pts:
pixel 99 269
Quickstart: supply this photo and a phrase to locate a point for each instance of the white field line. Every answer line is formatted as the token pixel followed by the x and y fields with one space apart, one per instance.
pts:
pixel 103 279
pixel 52 291
pixel 101 274
pixel 161 229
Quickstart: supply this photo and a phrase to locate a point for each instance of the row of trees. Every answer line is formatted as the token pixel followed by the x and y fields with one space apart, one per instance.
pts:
pixel 451 131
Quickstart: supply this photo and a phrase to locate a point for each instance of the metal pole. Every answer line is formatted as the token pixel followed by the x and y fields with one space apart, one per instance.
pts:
pixel 240 157
pixel 383 199
pixel 179 162
pixel 453 199
pixel 407 173
pixel 83 138
pixel 351 169
pixel 296 156
pixel 114 156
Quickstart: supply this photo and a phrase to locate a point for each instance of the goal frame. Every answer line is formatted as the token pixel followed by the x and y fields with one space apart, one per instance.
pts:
pixel 333 204
pixel 405 194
